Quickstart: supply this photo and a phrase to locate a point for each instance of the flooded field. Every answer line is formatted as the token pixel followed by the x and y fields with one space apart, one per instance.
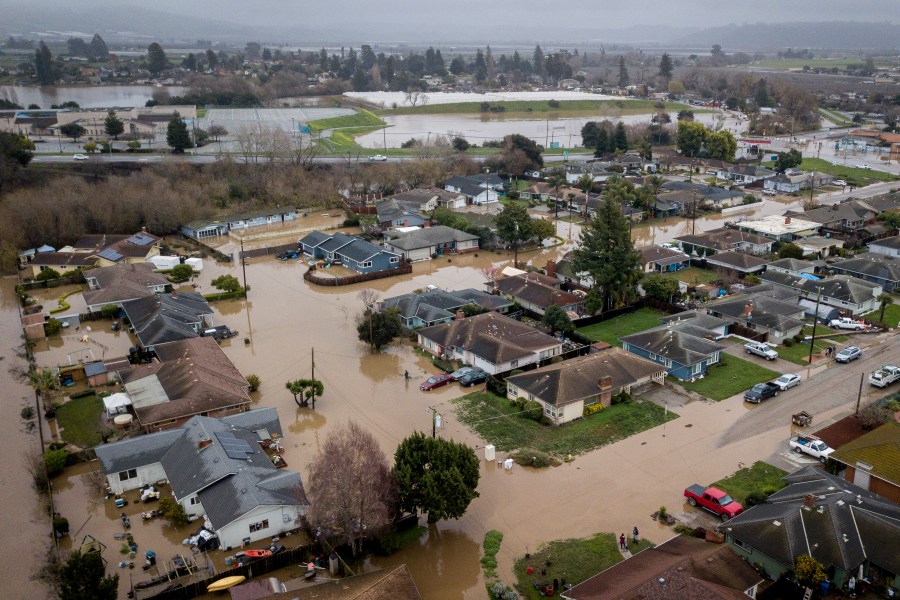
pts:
pixel 282 322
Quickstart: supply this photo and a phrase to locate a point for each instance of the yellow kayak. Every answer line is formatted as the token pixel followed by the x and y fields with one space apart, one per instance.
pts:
pixel 224 584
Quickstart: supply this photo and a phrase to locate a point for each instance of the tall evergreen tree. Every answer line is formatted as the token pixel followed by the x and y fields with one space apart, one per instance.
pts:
pixel 177 136
pixel 537 61
pixel 665 67
pixel 602 144
pixel 83 577
pixel 623 72
pixel 156 59
pixel 44 66
pixel 606 254
pixel 97 49
pixel 212 60
pixel 621 138
pixel 113 124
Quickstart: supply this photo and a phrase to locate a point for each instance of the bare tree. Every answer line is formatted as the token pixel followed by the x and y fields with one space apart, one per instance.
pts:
pixel 306 150
pixel 415 96
pixel 489 273
pixel 368 297
pixel 350 488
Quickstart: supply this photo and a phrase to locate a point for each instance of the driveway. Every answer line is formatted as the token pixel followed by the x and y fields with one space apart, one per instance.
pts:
pixel 779 364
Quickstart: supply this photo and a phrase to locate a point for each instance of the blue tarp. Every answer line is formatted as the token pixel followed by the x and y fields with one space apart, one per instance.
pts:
pixel 809 276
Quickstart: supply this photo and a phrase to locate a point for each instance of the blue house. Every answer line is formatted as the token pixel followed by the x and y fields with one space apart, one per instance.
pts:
pixel 682 348
pixel 352 252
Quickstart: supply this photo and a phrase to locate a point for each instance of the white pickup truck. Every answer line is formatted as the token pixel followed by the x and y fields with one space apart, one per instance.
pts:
pixel 884 376
pixel 847 323
pixel 810 444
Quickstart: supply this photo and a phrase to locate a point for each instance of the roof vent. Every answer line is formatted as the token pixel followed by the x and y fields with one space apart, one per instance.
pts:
pixel 820 509
pixel 661 581
pixel 243 490
pixel 840 503
pixel 776 523
pixel 844 537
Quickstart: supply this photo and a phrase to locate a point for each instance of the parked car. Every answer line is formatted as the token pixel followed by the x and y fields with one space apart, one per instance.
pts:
pixel 862 166
pixel 458 374
pixel 847 354
pixel 288 255
pixel 787 381
pixel 714 500
pixel 761 391
pixel 760 349
pixel 810 444
pixel 80 157
pixel 769 192
pixel 472 377
pixel 847 323
pixel 885 376
pixel 436 381
pixel 839 182
pixel 378 158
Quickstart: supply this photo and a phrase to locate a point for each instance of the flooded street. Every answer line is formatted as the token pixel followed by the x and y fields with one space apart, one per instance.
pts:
pixel 285 319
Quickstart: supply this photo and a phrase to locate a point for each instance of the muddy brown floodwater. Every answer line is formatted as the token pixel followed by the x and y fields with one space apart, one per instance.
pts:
pixel 283 320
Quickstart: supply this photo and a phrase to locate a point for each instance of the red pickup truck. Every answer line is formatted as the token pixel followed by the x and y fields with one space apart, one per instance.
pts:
pixel 714 500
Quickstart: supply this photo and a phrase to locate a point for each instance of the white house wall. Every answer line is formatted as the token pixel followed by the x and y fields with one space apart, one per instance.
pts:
pixel 146 475
pixel 281 518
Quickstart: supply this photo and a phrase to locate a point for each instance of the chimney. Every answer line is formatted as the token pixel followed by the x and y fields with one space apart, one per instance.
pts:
pixel 605 383
pixel 809 500
pixel 551 268
pixel 460 315
pixel 748 311
pixel 174 294
pixel 203 444
pixel 787 220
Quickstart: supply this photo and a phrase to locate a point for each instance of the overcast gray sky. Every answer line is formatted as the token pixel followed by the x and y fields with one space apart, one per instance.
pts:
pixel 424 20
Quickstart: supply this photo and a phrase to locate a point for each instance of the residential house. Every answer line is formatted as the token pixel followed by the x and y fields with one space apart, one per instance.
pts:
pixel 660 259
pixel 876 268
pixel 715 327
pixel 666 207
pixel 423 244
pixel 566 388
pixel 848 294
pixel 351 251
pixel 679 568
pixel 744 174
pixel 206 228
pixel 846 221
pixel 761 312
pixel 736 263
pixel 540 191
pixel 490 341
pixel 425 200
pixel 724 239
pixel 392 213
pixel 391 583
pixel 849 530
pixel 64 263
pixel 113 250
pixel 886 246
pixel 564 272
pixel 793 266
pixel 536 292
pixel 872 461
pixel 121 283
pixel 793 181
pixel 778 228
pixel 818 246
pixel 218 470
pixel 686 193
pixel 682 348
pixel 189 377
pixel 596 170
pixel 168 318
pixel 479 189
pixel 436 306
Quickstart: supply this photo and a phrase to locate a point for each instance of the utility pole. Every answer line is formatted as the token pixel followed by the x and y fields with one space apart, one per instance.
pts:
pixel 314 379
pixel 244 267
pixel 815 322
pixel 434 418
pixel 859 393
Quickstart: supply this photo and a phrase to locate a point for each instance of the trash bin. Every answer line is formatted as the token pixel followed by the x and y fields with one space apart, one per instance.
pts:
pixel 334 565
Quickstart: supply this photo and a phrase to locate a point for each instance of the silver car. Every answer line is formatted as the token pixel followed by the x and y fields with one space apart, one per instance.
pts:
pixel 760 349
pixel 787 381
pixel 847 354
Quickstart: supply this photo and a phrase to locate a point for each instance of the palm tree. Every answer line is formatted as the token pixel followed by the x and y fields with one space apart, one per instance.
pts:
pixel 884 300
pixel 585 183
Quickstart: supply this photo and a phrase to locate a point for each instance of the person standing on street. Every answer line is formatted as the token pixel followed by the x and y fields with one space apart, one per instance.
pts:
pixel 634 535
pixel 622 545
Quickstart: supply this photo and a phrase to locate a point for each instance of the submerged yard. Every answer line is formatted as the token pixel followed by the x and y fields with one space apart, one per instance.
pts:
pixel 497 420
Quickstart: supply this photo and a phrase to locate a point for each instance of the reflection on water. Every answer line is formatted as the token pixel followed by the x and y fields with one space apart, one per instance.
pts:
pixel 87 96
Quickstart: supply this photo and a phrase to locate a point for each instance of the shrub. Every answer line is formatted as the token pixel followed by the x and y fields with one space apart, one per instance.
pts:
pixel 109 311
pixel 55 460
pixel 754 498
pixel 663 512
pixel 352 221
pixel 533 410
pixel 553 103
pixel 47 274
pixel 52 327
pixel 60 526
pixel 592 409
pixel 181 273
pixel 173 512
pixel 798 338
pixel 496 386
pixel 530 457
pixel 621 398
pixel 788 342
pixel 27 413
pixel 254 381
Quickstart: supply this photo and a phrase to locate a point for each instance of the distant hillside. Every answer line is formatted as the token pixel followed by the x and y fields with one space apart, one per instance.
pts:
pixel 774 36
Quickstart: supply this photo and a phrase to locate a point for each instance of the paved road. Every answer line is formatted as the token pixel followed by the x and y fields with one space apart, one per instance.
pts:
pixel 828 395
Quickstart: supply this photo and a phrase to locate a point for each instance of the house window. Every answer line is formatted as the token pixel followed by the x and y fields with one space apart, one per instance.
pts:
pixel 366 264
pixel 194 501
pixel 395 259
pixel 514 363
pixel 259 526
pixel 129 474
pixel 697 369
pixel 547 410
pixel 743 546
pixel 559 412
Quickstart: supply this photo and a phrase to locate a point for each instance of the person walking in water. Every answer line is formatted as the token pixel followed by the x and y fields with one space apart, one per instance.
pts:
pixel 406 375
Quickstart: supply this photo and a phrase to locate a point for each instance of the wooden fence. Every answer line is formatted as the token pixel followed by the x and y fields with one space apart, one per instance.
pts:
pixel 311 277
pixel 260 566
pixel 268 250
pixel 52 283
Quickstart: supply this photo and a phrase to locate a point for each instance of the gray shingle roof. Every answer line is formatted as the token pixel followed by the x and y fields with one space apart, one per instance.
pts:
pixel 166 318
pixel 840 287
pixel 872 265
pixel 675 344
pixel 766 311
pixel 724 239
pixel 430 236
pixel 736 260
pixel 432 305
pixel 314 238
pixel 846 526
pixel 136 452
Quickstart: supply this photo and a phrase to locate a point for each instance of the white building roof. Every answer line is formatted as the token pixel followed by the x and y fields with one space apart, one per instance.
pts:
pixel 778 225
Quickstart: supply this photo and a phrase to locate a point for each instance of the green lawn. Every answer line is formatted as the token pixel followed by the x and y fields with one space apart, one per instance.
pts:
pixel 80 421
pixel 564 107
pixel 731 376
pixel 891 315
pixel 610 331
pixel 693 275
pixel 799 353
pixel 362 118
pixel 816 63
pixel 500 423
pixel 852 175
pixel 573 560
pixel 758 477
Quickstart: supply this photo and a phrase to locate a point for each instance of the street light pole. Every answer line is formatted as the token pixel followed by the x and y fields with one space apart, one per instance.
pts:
pixel 815 322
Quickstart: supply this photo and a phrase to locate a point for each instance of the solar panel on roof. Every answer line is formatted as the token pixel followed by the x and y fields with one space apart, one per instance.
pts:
pixel 140 239
pixel 110 254
pixel 234 448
